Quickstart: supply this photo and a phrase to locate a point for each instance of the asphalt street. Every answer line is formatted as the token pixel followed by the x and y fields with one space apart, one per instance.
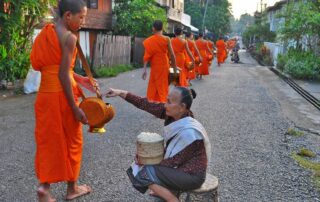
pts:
pixel 245 108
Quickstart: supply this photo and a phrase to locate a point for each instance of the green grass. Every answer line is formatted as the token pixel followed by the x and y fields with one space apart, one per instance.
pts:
pixel 295 133
pixel 112 71
pixel 306 152
pixel 314 166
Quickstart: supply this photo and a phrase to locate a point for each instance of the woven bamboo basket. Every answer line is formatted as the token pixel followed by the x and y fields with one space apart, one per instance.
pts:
pixel 150 148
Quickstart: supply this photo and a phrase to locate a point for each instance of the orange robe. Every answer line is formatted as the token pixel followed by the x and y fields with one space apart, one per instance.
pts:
pixel 58 134
pixel 179 48
pixel 192 73
pixel 202 47
pixel 221 51
pixel 210 45
pixel 231 44
pixel 156 52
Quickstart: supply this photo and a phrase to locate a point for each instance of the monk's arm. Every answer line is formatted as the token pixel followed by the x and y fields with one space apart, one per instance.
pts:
pixel 208 49
pixel 189 52
pixel 64 76
pixel 197 50
pixel 172 56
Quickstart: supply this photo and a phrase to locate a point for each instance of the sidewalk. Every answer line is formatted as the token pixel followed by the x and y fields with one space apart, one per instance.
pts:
pixel 311 86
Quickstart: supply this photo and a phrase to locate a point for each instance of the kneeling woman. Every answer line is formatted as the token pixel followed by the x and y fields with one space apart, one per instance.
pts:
pixel 187 146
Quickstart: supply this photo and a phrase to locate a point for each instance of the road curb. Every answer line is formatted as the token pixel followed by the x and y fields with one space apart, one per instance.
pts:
pixel 305 94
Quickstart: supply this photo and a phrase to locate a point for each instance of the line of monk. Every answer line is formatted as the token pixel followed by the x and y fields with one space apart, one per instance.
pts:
pixel 192 58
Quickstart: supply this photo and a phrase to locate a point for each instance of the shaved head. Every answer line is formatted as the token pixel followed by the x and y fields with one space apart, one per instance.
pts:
pixel 74 6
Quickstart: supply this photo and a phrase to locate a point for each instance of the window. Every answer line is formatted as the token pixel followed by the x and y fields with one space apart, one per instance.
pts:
pixel 92 4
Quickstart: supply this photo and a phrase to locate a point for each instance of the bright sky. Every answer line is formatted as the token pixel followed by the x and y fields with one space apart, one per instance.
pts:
pixel 240 7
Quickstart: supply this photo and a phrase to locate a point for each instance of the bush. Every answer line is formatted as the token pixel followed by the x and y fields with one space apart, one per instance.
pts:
pixel 112 71
pixel 281 61
pixel 302 65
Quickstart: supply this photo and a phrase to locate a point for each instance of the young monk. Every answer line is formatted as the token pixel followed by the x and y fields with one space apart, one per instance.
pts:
pixel 204 51
pixel 156 52
pixel 221 51
pixel 180 47
pixel 195 52
pixel 58 128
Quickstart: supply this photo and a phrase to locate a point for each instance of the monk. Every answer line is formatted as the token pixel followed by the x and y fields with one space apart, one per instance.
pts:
pixel 231 43
pixel 196 54
pixel 204 51
pixel 157 48
pixel 210 44
pixel 221 51
pixel 180 48
pixel 58 133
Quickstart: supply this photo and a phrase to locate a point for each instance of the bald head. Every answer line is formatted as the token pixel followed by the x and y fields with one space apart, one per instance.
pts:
pixel 74 6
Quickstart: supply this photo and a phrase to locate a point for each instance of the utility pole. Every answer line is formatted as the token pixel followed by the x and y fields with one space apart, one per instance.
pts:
pixel 204 15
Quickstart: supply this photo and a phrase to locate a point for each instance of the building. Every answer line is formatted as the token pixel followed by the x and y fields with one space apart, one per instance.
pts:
pixel 176 16
pixel 273 17
pixel 99 19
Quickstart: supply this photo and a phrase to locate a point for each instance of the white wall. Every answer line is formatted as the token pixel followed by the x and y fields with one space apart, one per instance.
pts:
pixel 85 42
pixel 275 50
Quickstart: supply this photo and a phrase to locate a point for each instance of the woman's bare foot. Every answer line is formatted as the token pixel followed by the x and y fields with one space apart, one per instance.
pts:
pixel 78 191
pixel 44 195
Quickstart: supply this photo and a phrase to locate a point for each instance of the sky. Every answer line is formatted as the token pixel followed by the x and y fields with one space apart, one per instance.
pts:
pixel 240 7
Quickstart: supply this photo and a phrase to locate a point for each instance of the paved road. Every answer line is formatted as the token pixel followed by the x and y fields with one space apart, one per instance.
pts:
pixel 245 116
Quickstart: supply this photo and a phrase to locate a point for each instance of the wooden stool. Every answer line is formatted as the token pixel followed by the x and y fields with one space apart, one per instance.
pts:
pixel 207 192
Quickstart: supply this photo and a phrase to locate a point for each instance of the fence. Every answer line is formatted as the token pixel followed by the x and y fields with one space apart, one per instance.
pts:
pixel 112 50
pixel 275 50
pixel 138 51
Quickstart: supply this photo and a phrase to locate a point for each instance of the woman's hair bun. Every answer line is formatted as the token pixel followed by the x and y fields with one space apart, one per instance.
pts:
pixel 193 93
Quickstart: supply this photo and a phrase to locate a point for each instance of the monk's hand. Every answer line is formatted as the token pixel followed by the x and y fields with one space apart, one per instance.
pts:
pixel 200 58
pixel 80 116
pixel 144 75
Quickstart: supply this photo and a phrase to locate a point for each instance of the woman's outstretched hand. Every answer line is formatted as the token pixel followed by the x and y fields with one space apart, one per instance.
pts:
pixel 116 92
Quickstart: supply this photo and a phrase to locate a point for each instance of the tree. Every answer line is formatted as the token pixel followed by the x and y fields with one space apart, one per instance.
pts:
pixel 217 18
pixel 239 26
pixel 135 17
pixel 259 32
pixel 18 20
pixel 303 29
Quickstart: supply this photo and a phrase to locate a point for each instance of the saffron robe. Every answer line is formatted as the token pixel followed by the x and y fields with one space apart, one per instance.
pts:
pixel 203 49
pixel 221 51
pixel 179 49
pixel 156 52
pixel 192 73
pixel 58 134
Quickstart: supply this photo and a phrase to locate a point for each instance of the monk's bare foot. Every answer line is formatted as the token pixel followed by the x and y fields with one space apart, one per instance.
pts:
pixel 44 195
pixel 80 190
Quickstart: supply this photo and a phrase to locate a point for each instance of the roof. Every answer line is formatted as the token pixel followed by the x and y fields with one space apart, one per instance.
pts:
pixel 276 6
pixel 99 20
